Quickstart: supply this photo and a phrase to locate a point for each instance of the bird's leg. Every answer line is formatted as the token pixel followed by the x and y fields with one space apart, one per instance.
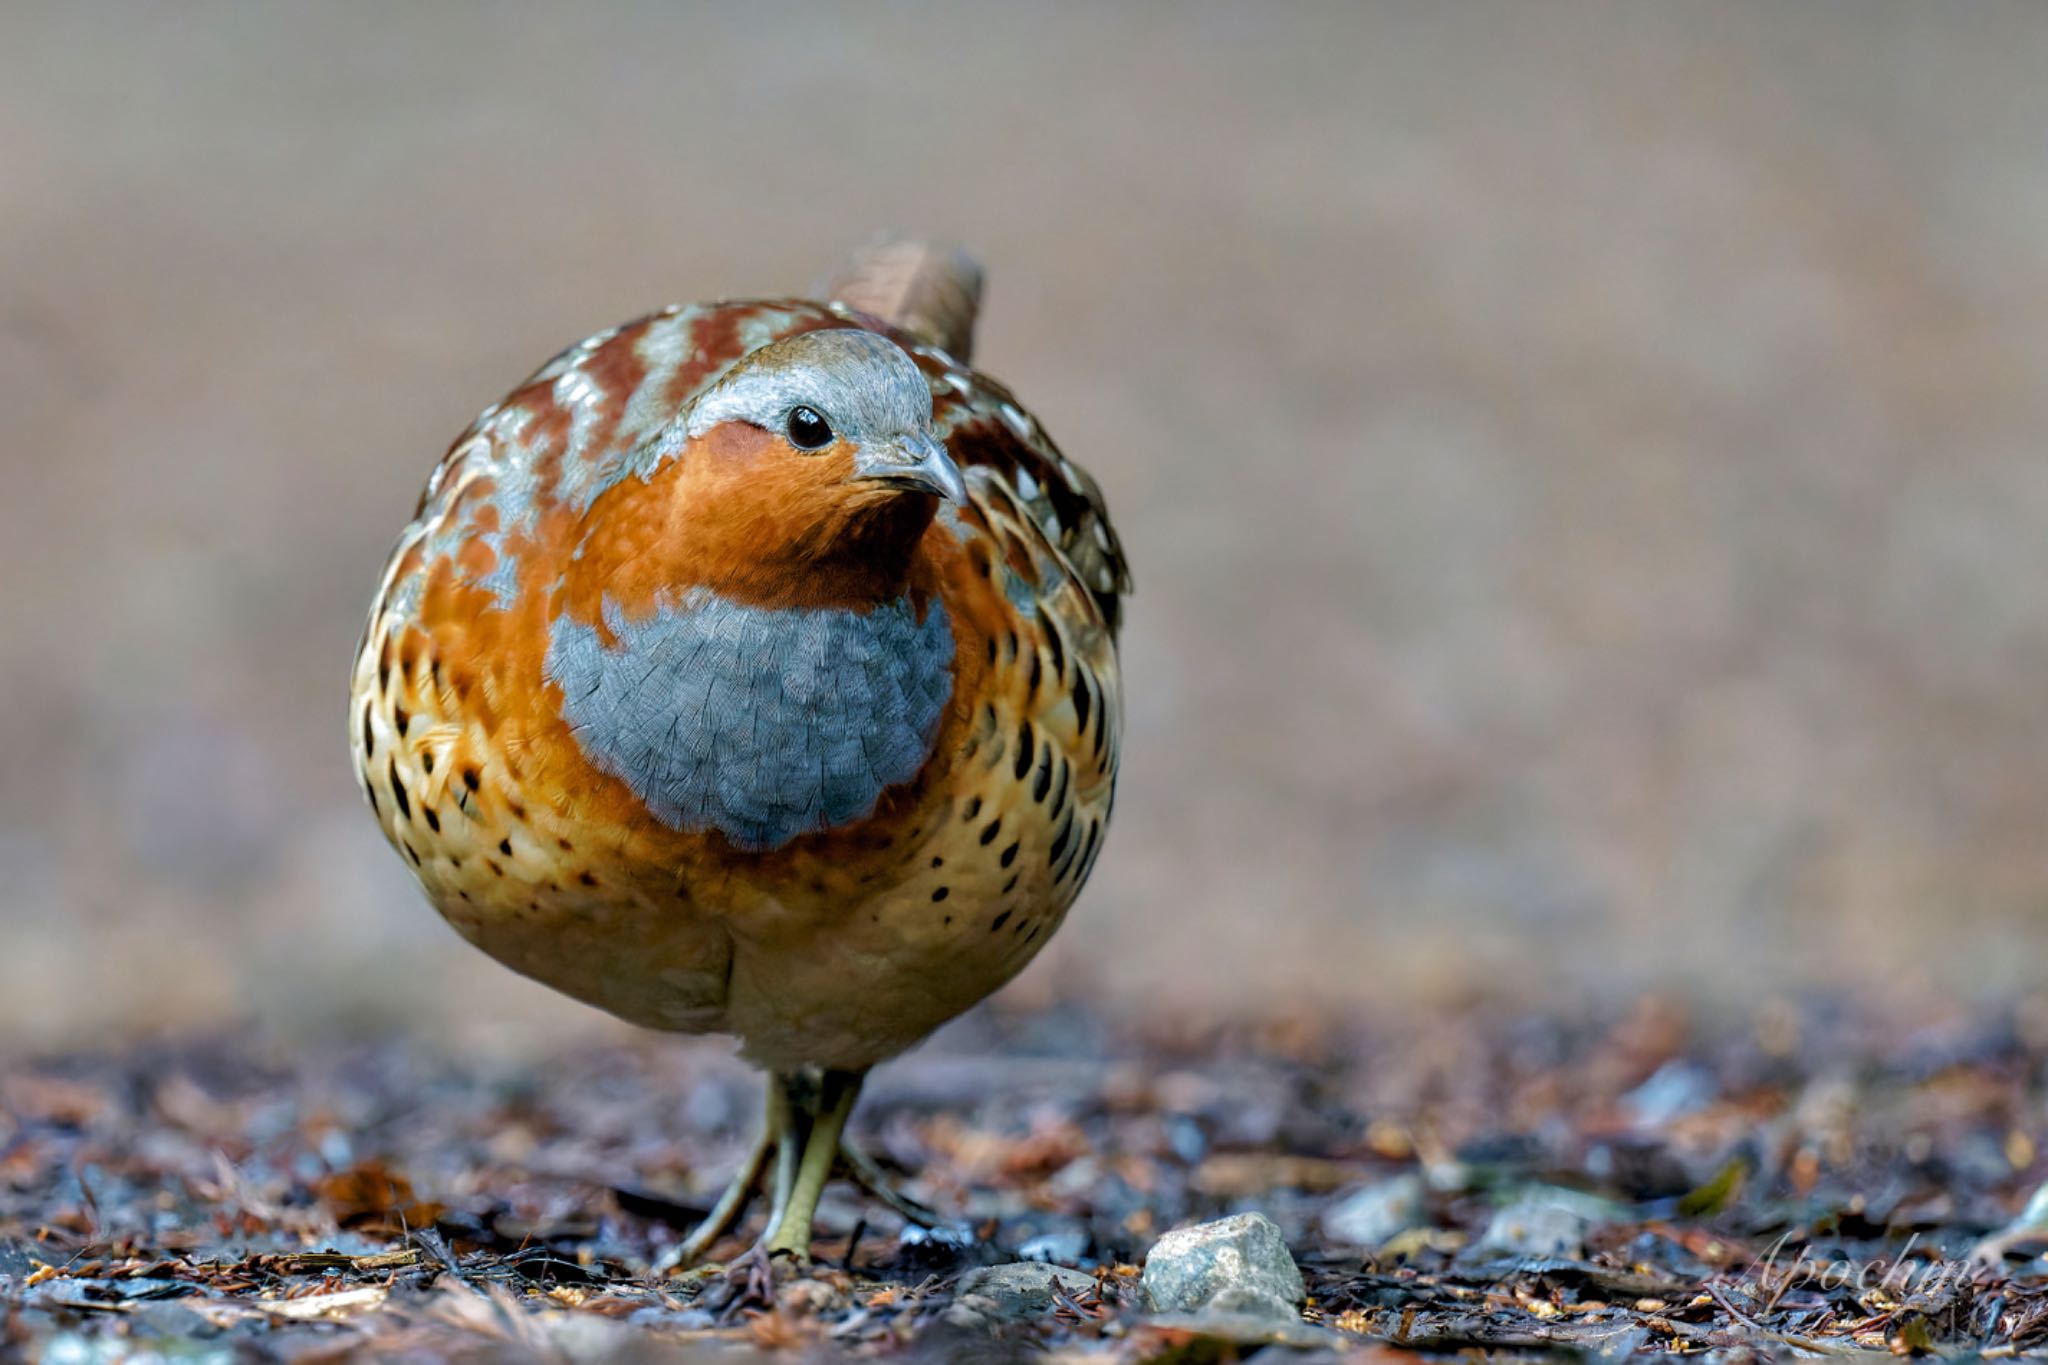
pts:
pixel 745 1185
pixel 804 1134
pixel 862 1170
pixel 831 1103
pixel 793 1101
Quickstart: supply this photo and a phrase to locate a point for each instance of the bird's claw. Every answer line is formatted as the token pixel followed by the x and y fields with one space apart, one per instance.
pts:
pixel 747 1281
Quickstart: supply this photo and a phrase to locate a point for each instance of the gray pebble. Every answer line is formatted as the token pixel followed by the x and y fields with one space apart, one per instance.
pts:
pixel 1019 1289
pixel 1547 1220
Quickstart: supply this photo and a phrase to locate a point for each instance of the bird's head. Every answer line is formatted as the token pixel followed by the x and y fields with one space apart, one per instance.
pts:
pixel 809 470
pixel 846 407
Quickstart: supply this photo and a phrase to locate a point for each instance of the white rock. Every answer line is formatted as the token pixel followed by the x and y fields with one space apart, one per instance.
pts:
pixel 1372 1216
pixel 1188 1268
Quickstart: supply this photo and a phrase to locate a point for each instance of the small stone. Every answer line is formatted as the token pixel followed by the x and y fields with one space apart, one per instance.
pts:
pixel 1065 1246
pixel 937 1250
pixel 1019 1289
pixel 1547 1220
pixel 1677 1089
pixel 17 1261
pixel 1372 1216
pixel 1189 1267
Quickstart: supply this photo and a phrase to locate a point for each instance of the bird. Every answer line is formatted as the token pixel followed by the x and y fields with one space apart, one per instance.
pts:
pixel 751 669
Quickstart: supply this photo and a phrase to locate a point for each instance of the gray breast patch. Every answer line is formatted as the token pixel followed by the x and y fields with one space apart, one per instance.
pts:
pixel 762 724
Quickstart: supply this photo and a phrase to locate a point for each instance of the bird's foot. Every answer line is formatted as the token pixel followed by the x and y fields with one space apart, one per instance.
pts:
pixel 724 1215
pixel 864 1172
pixel 802 1146
pixel 747 1281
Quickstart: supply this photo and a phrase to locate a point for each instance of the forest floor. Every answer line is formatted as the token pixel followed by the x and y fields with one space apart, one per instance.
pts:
pixel 1799 1181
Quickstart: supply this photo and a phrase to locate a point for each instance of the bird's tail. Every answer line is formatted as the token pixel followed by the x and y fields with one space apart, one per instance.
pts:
pixel 930 291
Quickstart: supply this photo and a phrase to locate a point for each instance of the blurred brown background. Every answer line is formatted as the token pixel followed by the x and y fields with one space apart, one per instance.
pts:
pixel 1583 464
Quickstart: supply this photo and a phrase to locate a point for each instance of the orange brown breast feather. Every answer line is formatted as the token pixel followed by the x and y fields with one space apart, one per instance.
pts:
pixel 752 669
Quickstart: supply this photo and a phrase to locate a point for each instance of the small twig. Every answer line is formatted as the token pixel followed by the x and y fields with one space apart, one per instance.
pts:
pixel 1803 1343
pixel 436 1247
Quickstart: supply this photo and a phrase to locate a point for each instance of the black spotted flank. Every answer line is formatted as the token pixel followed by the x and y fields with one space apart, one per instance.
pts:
pixel 1010 853
pixel 1010 885
pixel 1037 673
pixel 427 760
pixel 398 797
pixel 1084 700
pixel 990 830
pixel 433 818
pixel 941 894
pixel 505 847
pixel 369 736
pixel 471 778
pixel 1066 770
pixel 1001 920
pixel 1027 746
pixel 402 718
pixel 973 809
pixel 1058 647
pixel 1044 783
pixel 1082 858
pixel 938 861
pixel 1059 842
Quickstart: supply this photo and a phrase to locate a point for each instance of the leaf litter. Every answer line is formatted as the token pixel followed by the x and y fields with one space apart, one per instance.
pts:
pixel 1805 1181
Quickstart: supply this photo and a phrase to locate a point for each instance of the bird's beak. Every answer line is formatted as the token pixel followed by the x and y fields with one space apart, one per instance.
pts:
pixel 918 462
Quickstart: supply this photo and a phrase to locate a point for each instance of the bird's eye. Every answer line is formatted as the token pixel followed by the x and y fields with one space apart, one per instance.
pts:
pixel 807 430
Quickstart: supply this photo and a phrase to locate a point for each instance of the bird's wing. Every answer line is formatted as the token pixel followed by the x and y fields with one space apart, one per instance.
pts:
pixel 1007 458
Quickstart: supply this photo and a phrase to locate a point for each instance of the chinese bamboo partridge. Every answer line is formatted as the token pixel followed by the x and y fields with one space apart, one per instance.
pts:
pixel 752 669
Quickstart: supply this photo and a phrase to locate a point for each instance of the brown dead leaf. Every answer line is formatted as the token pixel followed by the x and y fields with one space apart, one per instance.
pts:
pixel 372 1198
pixel 53 1099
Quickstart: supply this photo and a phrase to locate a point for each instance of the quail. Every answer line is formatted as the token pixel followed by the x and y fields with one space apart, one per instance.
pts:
pixel 751 669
